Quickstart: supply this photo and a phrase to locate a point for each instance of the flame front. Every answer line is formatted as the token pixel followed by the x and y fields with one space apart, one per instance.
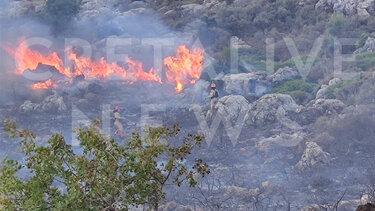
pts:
pixel 44 85
pixel 28 59
pixel 185 67
pixel 102 69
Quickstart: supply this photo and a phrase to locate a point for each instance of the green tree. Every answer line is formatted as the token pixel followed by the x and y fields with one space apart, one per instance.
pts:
pixel 104 176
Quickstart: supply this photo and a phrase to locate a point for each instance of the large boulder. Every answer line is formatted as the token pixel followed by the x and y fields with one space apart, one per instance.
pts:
pixel 312 156
pixel 272 108
pixel 369 46
pixel 318 108
pixel 283 74
pixel 232 108
pixel 237 83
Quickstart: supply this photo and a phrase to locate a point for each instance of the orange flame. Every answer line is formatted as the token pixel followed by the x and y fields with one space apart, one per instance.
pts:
pixel 185 67
pixel 102 69
pixel 28 59
pixel 44 85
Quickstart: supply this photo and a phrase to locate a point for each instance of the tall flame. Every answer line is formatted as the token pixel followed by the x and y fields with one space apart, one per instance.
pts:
pixel 28 59
pixel 185 67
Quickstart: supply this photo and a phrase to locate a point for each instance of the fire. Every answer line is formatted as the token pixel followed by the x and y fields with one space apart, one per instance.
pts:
pixel 185 67
pixel 28 59
pixel 44 85
pixel 102 69
pixel 182 69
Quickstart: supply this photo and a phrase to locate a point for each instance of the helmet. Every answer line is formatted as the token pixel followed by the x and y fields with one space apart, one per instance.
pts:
pixel 213 85
pixel 117 108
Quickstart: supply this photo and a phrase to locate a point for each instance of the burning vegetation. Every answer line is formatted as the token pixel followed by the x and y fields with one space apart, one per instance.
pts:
pixel 183 68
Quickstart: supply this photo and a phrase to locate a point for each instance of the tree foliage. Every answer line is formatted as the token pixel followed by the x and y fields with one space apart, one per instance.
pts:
pixel 104 176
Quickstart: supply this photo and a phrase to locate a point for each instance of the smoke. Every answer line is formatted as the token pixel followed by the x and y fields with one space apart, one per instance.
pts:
pixel 138 34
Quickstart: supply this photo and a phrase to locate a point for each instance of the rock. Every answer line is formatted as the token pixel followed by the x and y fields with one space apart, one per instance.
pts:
pixel 284 139
pixel 313 207
pixel 369 46
pixel 366 207
pixel 194 10
pixel 239 43
pixel 334 81
pixel 322 91
pixel 312 156
pixel 139 11
pixel 53 102
pixel 24 7
pixel 137 4
pixel 283 74
pixel 324 88
pixel 237 83
pixel 27 106
pixel 362 8
pixel 318 108
pixel 271 108
pixel 232 108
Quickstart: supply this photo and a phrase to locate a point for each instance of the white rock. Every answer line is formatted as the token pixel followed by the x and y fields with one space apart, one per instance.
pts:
pixel 312 156
pixel 237 83
pixel 369 46
pixel 271 108
pixel 283 74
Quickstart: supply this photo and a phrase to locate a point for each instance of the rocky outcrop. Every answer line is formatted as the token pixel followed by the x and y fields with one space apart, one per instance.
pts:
pixel 237 83
pixel 369 46
pixel 272 108
pixel 318 108
pixel 312 156
pixel 51 103
pixel 362 8
pixel 284 139
pixel 324 88
pixel 232 108
pixel 23 7
pixel 313 207
pixel 239 43
pixel 283 74
pixel 366 207
pixel 245 83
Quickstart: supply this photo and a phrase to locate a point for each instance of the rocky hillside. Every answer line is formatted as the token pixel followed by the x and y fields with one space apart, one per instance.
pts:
pixel 306 136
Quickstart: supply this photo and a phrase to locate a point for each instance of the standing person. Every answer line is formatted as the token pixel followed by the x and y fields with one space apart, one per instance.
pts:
pixel 213 96
pixel 118 125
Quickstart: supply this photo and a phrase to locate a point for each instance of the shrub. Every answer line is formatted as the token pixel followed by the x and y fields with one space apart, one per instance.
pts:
pixel 362 40
pixel 338 24
pixel 289 63
pixel 338 91
pixel 365 60
pixel 300 90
